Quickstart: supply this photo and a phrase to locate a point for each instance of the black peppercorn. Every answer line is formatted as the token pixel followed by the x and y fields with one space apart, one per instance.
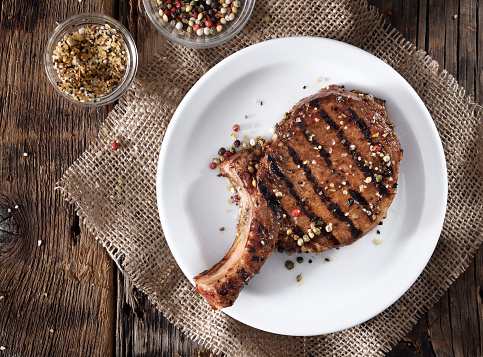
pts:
pixel 221 151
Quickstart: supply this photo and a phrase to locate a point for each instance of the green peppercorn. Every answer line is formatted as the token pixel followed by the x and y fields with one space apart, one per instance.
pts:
pixel 289 264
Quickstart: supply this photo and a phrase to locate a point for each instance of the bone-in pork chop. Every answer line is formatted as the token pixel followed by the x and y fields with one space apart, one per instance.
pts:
pixel 328 177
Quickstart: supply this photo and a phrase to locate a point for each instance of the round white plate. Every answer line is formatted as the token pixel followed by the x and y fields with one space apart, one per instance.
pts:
pixel 262 82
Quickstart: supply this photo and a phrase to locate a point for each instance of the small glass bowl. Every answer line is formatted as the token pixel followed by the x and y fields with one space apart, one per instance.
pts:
pixel 82 20
pixel 183 38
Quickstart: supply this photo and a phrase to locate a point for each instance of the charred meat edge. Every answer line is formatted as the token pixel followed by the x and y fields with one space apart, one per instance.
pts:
pixel 254 242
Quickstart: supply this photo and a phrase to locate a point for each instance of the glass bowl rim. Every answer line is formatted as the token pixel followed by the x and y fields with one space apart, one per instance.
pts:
pixel 84 19
pixel 214 41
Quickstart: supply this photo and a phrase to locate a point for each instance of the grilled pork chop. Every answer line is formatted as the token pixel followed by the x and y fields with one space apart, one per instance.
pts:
pixel 257 233
pixel 333 165
pixel 327 178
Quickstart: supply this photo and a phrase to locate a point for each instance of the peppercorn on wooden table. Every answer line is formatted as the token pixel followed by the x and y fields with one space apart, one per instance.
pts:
pixel 60 293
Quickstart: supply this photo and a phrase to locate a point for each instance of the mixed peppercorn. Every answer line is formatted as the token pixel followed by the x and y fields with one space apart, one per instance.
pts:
pixel 224 153
pixel 200 17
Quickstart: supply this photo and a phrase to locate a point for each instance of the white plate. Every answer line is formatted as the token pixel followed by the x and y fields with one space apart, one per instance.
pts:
pixel 362 279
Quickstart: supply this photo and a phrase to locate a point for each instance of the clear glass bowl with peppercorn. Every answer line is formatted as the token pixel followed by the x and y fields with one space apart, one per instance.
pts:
pixel 199 23
pixel 91 59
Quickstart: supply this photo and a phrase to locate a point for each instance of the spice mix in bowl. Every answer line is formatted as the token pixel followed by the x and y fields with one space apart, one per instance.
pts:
pixel 91 59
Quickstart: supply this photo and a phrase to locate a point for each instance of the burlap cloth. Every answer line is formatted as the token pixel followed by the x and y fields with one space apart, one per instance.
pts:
pixel 115 195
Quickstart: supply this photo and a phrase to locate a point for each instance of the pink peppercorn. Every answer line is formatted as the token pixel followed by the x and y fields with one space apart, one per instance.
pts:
pixel 114 146
pixel 208 23
pixel 296 212
pixel 236 127
pixel 212 165
pixel 376 148
pixel 196 27
pixel 177 4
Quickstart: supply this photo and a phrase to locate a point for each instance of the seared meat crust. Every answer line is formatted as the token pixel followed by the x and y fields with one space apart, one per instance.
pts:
pixel 254 242
pixel 335 158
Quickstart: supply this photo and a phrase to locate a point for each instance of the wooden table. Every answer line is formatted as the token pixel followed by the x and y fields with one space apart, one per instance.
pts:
pixel 61 294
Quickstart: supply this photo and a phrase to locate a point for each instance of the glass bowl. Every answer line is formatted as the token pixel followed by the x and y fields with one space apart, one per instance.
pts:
pixel 80 21
pixel 191 39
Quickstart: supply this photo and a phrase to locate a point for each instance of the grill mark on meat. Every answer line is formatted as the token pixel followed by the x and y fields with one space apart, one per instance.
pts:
pixel 308 174
pixel 364 129
pixel 358 197
pixel 274 204
pixel 355 155
pixel 313 141
pixel 339 214
pixel 278 172
pixel 270 198
pixel 314 103
pixel 361 124
pixel 332 207
pixel 305 208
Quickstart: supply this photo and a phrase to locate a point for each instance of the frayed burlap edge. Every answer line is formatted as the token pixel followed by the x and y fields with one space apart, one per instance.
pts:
pixel 114 193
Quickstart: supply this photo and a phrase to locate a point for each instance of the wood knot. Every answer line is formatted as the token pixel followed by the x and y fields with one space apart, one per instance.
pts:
pixel 14 231
pixel 9 229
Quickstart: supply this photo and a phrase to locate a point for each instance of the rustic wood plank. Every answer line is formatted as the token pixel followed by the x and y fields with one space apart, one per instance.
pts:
pixel 479 60
pixel 143 331
pixel 57 294
pixel 454 323
pixel 456 329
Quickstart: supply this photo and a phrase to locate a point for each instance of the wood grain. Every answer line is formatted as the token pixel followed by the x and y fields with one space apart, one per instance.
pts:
pixel 65 296
pixel 56 281
pixel 447 30
pixel 141 329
